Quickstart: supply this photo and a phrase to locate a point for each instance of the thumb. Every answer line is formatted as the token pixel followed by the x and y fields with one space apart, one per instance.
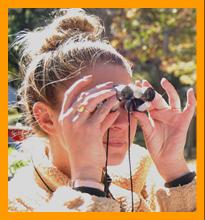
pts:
pixel 109 120
pixel 145 122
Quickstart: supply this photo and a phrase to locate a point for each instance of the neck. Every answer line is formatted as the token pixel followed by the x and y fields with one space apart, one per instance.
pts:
pixel 59 157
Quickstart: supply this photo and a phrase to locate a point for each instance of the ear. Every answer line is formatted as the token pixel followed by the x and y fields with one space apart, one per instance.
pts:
pixel 44 117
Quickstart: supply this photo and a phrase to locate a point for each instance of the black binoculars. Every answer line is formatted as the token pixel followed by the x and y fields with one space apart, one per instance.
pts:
pixel 134 98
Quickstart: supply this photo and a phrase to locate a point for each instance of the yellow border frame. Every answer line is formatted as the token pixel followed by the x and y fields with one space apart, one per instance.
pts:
pixel 199 5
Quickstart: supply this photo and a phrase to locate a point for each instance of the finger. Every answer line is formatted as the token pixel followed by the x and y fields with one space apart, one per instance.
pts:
pixel 158 101
pixel 109 121
pixel 90 103
pixel 145 83
pixel 72 92
pixel 162 115
pixel 146 123
pixel 174 100
pixel 71 110
pixel 92 100
pixel 83 95
pixel 101 113
pixel 190 105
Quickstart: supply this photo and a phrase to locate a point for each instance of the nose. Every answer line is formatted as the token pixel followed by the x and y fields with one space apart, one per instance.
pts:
pixel 121 122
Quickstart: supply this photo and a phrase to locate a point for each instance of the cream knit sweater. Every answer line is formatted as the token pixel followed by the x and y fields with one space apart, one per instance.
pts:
pixel 28 192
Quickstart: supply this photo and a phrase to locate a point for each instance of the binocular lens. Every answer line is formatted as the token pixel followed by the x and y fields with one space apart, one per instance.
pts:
pixel 148 95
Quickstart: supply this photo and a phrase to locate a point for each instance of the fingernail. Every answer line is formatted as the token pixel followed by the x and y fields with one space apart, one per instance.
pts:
pixel 104 84
pixel 145 82
pixel 191 90
pixel 163 80
pixel 138 81
pixel 109 83
pixel 117 102
pixel 87 77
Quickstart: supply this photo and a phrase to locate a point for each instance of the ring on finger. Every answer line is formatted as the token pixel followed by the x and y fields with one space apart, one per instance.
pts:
pixel 82 108
pixel 176 109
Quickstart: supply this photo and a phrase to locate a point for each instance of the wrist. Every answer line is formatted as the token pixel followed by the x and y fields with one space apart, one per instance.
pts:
pixel 87 173
pixel 174 170
pixel 183 180
pixel 87 183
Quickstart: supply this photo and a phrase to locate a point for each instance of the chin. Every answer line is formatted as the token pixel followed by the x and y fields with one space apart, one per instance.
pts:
pixel 115 161
pixel 116 154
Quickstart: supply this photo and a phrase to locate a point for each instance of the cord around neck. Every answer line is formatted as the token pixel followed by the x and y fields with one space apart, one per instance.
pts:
pixel 107 179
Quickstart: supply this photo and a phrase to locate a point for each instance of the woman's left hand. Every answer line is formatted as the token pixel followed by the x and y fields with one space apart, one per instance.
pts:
pixel 165 130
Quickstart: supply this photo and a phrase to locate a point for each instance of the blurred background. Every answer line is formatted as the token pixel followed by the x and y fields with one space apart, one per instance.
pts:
pixel 158 42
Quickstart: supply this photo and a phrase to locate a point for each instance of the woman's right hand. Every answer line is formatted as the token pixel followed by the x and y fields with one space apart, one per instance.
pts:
pixel 82 132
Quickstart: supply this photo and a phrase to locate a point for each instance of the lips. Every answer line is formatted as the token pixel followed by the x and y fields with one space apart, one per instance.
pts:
pixel 115 143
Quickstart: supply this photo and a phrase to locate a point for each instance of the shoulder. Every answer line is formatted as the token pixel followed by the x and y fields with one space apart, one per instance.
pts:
pixel 24 194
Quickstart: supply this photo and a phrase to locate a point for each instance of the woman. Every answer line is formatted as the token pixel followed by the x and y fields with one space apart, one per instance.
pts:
pixel 68 95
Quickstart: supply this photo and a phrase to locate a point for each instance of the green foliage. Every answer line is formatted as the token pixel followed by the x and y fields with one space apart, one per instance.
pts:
pixel 23 19
pixel 17 160
pixel 159 42
pixel 14 118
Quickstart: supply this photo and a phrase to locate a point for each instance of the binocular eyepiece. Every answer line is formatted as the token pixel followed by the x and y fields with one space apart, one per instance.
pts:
pixel 134 98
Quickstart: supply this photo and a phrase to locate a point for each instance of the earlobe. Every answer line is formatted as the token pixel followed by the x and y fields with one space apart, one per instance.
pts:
pixel 43 116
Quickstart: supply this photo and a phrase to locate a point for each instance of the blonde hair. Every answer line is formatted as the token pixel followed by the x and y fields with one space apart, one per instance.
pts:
pixel 60 51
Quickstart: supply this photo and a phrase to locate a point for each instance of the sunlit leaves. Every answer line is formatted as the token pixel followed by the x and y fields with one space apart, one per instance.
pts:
pixel 164 34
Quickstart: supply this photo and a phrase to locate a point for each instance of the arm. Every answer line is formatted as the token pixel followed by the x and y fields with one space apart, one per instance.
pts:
pixel 174 199
pixel 65 199
pixel 165 133
pixel 178 199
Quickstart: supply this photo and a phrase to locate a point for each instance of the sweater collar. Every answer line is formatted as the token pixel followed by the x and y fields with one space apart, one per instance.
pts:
pixel 51 176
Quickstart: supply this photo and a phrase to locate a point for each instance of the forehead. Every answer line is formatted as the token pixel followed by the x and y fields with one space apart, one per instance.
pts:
pixel 109 73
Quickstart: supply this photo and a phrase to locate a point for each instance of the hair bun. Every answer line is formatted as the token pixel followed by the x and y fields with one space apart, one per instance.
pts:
pixel 73 24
